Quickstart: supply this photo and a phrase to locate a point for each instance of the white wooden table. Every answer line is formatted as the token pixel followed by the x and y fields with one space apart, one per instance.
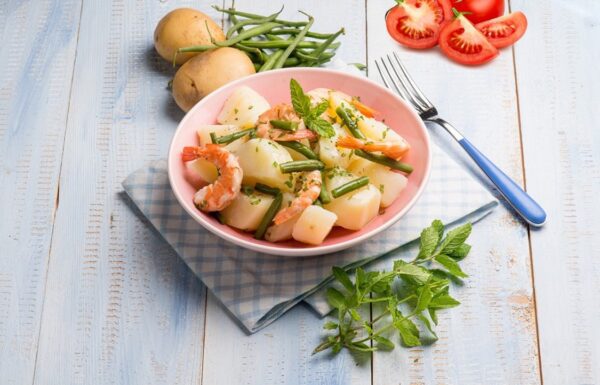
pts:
pixel 89 294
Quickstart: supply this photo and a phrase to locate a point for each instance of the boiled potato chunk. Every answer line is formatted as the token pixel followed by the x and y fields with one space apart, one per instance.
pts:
pixel 376 130
pixel 337 98
pixel 221 130
pixel 243 108
pixel 283 231
pixel 389 183
pixel 260 160
pixel 246 211
pixel 332 155
pixel 313 225
pixel 355 209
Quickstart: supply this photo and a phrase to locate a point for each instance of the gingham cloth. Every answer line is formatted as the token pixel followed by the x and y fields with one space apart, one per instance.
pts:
pixel 258 288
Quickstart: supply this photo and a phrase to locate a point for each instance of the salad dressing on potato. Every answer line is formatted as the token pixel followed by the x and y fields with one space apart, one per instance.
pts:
pixel 296 170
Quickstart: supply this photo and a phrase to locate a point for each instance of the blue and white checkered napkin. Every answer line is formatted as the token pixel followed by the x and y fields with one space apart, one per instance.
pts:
pixel 258 288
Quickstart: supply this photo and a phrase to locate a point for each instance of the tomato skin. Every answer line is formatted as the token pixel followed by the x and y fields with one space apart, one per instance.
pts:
pixel 463 43
pixel 417 23
pixel 504 30
pixel 480 10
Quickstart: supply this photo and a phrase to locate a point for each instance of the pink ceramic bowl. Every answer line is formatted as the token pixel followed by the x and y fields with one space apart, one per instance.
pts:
pixel 274 86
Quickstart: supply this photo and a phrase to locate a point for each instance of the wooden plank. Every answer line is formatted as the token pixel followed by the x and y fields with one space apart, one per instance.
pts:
pixel 36 57
pixel 491 337
pixel 559 83
pixel 121 307
pixel 281 353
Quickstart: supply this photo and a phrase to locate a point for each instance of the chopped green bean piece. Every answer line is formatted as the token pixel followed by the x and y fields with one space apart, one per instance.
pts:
pixel 302 149
pixel 268 218
pixel 350 186
pixel 384 160
pixel 301 165
pixel 324 194
pixel 287 125
pixel 350 122
pixel 226 139
pixel 263 188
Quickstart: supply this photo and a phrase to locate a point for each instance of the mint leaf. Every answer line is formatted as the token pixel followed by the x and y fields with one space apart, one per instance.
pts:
pixel 335 298
pixel 461 252
pixel 408 332
pixel 383 343
pixel 455 238
pixel 320 126
pixel 451 265
pixel 341 275
pixel 418 273
pixel 430 238
pixel 320 108
pixel 441 301
pixel 439 227
pixel 423 299
pixel 330 325
pixel 300 101
pixel 427 324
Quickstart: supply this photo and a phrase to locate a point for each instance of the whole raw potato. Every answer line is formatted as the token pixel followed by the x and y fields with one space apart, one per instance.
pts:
pixel 205 73
pixel 184 27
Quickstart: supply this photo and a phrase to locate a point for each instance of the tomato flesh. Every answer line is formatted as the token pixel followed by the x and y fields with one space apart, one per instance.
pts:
pixel 417 23
pixel 504 30
pixel 480 10
pixel 463 43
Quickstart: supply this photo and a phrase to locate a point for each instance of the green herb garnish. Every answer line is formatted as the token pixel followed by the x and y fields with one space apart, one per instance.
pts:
pixel 310 115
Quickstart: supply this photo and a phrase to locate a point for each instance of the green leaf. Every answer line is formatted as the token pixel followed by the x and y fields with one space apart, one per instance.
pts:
pixel 432 314
pixel 336 348
pixel 330 325
pixel 335 298
pixel 430 237
pixel 408 332
pixel 321 127
pixel 320 108
pixel 423 299
pixel 354 314
pixel 455 238
pixel 427 324
pixel 441 301
pixel 451 265
pixel 342 277
pixel 418 273
pixel 383 343
pixel 461 252
pixel 439 227
pixel 300 101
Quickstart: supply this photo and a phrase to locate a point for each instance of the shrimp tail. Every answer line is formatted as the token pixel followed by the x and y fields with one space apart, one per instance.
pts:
pixel 189 153
pixel 349 142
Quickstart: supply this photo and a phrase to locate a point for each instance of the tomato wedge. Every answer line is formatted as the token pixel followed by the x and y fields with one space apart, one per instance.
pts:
pixel 463 43
pixel 504 30
pixel 480 10
pixel 417 23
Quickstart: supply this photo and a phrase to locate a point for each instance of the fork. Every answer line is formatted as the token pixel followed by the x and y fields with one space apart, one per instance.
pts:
pixel 401 81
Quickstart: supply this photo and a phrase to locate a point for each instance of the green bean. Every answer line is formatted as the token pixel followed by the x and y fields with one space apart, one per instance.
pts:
pixel 302 149
pixel 294 31
pixel 291 62
pixel 350 186
pixel 233 11
pixel 256 51
pixel 318 51
pixel 384 160
pixel 270 62
pixel 350 122
pixel 299 37
pixel 243 23
pixel 302 55
pixel 268 218
pixel 284 124
pixel 247 34
pixel 301 165
pixel 324 194
pixel 281 44
pixel 226 139
pixel 263 188
pixel 318 202
pixel 196 48
pixel 257 66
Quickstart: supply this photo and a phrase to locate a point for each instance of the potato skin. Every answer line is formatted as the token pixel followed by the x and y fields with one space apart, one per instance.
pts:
pixel 205 73
pixel 184 27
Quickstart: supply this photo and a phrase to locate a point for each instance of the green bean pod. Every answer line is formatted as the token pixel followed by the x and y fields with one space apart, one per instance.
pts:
pixel 300 148
pixel 301 165
pixel 350 122
pixel 384 160
pixel 324 194
pixel 350 186
pixel 247 34
pixel 262 44
pixel 287 125
pixel 292 47
pixel 263 188
pixel 268 218
pixel 270 62
pixel 226 139
pixel 233 11
pixel 241 24
pixel 295 31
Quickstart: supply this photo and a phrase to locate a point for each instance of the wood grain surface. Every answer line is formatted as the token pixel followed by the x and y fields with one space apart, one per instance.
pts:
pixel 90 294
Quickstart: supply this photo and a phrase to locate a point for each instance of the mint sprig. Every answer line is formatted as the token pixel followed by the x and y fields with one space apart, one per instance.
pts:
pixel 404 301
pixel 310 115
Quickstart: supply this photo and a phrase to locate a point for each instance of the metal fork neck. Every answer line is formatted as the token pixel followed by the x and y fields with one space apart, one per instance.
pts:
pixel 447 126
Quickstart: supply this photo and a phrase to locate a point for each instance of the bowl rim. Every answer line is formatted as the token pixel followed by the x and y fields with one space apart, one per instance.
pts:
pixel 307 251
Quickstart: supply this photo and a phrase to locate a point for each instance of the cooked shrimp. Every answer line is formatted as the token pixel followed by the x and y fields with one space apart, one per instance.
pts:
pixel 393 149
pixel 219 194
pixel 311 188
pixel 282 111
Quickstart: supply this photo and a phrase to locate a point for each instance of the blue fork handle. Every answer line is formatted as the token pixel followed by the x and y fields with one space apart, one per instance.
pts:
pixel 529 209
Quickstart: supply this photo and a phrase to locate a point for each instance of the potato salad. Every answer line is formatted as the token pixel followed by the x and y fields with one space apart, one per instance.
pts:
pixel 296 170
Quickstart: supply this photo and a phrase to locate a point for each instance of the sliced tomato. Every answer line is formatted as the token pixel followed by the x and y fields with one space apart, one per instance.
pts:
pixel 417 23
pixel 463 43
pixel 504 30
pixel 480 10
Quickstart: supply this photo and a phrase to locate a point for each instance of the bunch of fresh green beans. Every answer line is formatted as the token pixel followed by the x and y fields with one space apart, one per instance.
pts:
pixel 273 43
